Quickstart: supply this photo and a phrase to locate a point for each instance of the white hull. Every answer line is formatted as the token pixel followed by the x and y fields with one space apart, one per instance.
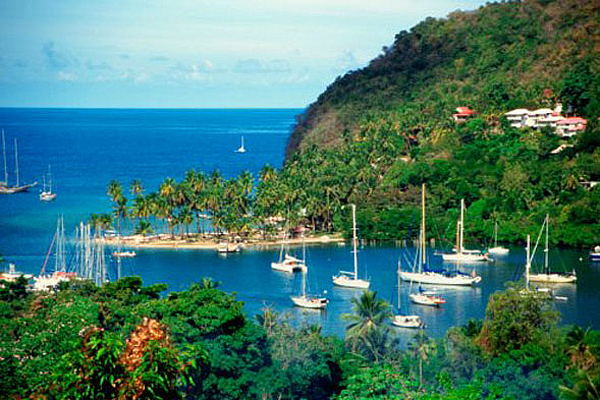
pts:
pixel 434 278
pixel 309 302
pixel 124 254
pixel 407 321
pixel 49 282
pixel 347 281
pixel 287 267
pixel 289 264
pixel 464 257
pixel 426 300
pixel 229 248
pixel 47 196
pixel 552 278
pixel 499 250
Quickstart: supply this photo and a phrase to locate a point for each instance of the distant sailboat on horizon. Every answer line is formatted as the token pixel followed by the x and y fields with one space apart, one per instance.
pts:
pixel 4 187
pixel 47 195
pixel 241 149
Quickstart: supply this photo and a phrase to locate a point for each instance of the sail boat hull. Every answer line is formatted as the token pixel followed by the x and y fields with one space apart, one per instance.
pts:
pixel 498 250
pixel 407 321
pixel 289 264
pixel 309 302
pixel 349 282
pixel 552 278
pixel 465 257
pixel 434 278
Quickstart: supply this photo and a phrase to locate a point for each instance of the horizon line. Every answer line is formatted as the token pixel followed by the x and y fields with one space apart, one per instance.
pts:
pixel 152 108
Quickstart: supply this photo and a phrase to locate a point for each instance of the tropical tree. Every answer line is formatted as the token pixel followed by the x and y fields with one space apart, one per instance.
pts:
pixel 136 187
pixel 366 330
pixel 115 192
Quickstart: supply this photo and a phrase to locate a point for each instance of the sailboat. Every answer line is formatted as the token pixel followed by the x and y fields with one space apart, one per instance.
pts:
pixel 305 300
pixel 595 254
pixel 287 262
pixel 350 279
pixel 405 321
pixel 241 149
pixel 546 276
pixel 430 277
pixel 459 253
pixel 497 250
pixel 4 187
pixel 49 282
pixel 48 195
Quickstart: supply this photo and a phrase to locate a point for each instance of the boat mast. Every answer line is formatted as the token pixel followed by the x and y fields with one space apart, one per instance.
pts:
pixel 496 234
pixel 354 241
pixel 527 263
pixel 4 153
pixel 49 179
pixel 546 246
pixel 462 228
pixel 399 284
pixel 423 238
pixel 303 282
pixel 16 162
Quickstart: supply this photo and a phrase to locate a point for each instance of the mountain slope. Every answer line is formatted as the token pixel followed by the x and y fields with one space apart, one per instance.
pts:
pixel 501 56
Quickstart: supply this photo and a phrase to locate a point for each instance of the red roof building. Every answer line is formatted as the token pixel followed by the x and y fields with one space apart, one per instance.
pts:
pixel 463 113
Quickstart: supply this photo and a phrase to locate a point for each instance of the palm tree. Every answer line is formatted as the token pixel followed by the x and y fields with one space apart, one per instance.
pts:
pixel 421 347
pixel 136 187
pixel 367 322
pixel 115 191
pixel 144 228
pixel 166 191
pixel 196 181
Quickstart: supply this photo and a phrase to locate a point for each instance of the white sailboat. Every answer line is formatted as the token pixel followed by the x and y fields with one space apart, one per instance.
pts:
pixel 305 300
pixel 287 262
pixel 405 321
pixel 595 254
pixel 350 279
pixel 459 253
pixel 546 276
pixel 50 281
pixel 497 250
pixel 430 277
pixel 241 149
pixel 18 188
pixel 47 195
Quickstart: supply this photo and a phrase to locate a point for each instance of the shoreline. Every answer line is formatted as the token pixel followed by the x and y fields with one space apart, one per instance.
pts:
pixel 165 241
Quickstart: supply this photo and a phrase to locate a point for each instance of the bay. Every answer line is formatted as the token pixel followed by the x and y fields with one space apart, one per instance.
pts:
pixel 88 148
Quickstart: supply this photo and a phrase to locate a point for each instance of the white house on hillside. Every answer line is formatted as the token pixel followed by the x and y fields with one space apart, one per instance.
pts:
pixel 517 117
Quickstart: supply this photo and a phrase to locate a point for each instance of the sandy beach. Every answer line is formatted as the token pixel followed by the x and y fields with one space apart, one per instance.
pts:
pixel 166 241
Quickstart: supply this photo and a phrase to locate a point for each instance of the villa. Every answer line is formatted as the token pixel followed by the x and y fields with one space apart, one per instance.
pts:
pixel 463 114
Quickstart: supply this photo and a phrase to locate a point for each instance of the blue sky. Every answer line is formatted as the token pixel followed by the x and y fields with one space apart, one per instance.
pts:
pixel 192 53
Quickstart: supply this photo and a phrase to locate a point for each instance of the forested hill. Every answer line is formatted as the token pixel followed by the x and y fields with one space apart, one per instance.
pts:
pixel 376 134
pixel 501 56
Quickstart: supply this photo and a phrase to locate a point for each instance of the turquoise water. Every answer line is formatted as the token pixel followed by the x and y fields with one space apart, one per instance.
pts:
pixel 87 148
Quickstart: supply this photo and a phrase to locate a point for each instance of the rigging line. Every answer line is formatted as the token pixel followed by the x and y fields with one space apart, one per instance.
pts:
pixel 48 255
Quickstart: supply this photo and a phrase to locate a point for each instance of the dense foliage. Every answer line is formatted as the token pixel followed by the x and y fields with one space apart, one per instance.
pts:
pixel 379 132
pixel 125 341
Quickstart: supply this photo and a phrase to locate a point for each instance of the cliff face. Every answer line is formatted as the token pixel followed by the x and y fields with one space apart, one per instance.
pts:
pixel 501 56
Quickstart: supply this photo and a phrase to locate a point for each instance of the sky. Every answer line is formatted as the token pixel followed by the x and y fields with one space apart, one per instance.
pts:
pixel 193 53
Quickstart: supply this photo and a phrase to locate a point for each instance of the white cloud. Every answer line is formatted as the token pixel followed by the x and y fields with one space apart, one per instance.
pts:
pixel 67 76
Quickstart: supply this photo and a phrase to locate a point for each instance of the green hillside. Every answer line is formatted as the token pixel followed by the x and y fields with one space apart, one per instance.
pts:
pixel 377 133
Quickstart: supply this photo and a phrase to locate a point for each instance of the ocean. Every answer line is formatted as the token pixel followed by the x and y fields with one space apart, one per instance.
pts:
pixel 86 148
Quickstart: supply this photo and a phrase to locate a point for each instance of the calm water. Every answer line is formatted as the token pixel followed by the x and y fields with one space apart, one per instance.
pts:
pixel 87 148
